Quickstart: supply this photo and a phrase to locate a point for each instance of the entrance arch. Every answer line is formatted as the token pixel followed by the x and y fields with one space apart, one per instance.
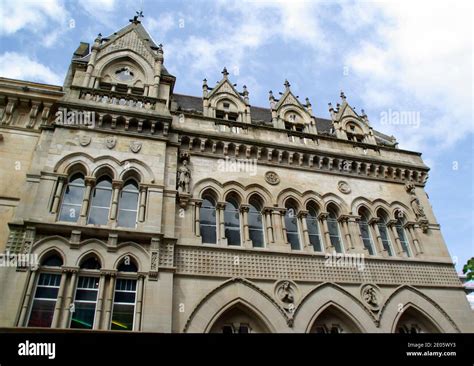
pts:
pixel 414 320
pixel 334 319
pixel 237 298
pixel 239 318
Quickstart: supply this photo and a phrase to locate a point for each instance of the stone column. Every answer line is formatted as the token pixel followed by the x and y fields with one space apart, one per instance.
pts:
pixel 302 215
pixel 139 302
pixel 374 228
pixel 410 228
pixel 220 223
pixel 353 225
pixel 244 209
pixel 59 300
pixel 277 220
pixel 69 297
pixel 109 299
pixel 116 187
pixel 32 276
pixel 197 218
pixel 57 194
pixel 100 302
pixel 267 216
pixel 343 220
pixel 398 245
pixel 90 182
pixel 323 217
pixel 141 208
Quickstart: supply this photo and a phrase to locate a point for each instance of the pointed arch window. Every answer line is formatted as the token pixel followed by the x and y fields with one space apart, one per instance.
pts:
pixel 313 228
pixel 256 223
pixel 365 231
pixel 128 204
pixel 232 222
pixel 125 297
pixel 46 293
pixel 72 199
pixel 207 214
pixel 402 235
pixel 334 232
pixel 101 198
pixel 384 235
pixel 291 225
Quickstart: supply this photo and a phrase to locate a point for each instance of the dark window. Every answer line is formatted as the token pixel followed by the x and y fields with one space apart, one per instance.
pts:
pixel 291 225
pixel 44 301
pixel 232 222
pixel 207 217
pixel 128 205
pixel 100 206
pixel 255 225
pixel 365 233
pixel 334 234
pixel 402 236
pixel 124 304
pixel 91 263
pixel 384 235
pixel 72 199
pixel 313 230
pixel 85 303
pixel 52 260
pixel 127 265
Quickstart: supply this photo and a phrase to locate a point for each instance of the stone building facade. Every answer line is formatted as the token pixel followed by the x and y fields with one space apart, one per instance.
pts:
pixel 127 206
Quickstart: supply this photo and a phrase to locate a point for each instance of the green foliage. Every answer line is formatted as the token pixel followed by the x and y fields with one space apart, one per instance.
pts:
pixel 468 269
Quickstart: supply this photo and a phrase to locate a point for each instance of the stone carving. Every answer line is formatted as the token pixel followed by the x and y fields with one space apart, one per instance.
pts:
pixel 371 296
pixel 135 146
pixel 287 293
pixel 84 140
pixel 110 142
pixel 184 177
pixel 272 178
pixel 343 187
pixel 417 207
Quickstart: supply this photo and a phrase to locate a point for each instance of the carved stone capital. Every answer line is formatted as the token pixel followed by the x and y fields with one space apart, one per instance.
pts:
pixel 69 269
pixel 117 184
pixel 90 181
pixel 374 220
pixel 108 272
pixel 323 215
pixel 244 208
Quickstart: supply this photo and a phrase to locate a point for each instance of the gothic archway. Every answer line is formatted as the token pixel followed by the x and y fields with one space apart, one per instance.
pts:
pixel 333 319
pixel 239 318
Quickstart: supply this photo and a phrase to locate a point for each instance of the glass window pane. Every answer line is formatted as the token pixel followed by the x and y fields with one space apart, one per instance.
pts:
pixel 99 216
pixel 46 292
pixel 42 313
pixel 291 225
pixel 122 317
pixel 208 234
pixel 121 296
pixel 334 234
pixel 73 195
pixel 128 201
pixel 87 295
pixel 83 316
pixel 127 218
pixel 102 197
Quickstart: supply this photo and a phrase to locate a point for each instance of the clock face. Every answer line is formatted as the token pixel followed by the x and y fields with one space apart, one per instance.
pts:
pixel 124 74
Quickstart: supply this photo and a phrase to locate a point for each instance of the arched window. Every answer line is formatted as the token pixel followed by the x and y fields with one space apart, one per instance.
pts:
pixel 72 199
pixel 85 300
pixel 256 223
pixel 123 314
pixel 100 205
pixel 207 220
pixel 382 224
pixel 291 225
pixel 232 222
pixel 365 230
pixel 401 233
pixel 46 293
pixel 128 204
pixel 313 228
pixel 333 226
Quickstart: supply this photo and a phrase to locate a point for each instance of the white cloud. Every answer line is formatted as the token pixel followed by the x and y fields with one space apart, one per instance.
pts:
pixel 32 15
pixel 420 59
pixel 98 6
pixel 17 66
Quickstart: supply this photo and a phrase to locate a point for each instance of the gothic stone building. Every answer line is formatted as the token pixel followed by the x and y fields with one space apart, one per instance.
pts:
pixel 147 210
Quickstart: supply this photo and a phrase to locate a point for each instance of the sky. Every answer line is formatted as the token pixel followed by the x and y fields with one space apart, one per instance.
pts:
pixel 409 60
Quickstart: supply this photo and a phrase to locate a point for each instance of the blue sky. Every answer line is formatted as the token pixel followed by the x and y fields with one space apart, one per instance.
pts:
pixel 385 55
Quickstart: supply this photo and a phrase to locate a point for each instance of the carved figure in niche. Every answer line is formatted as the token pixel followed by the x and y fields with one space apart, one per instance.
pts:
pixel 184 177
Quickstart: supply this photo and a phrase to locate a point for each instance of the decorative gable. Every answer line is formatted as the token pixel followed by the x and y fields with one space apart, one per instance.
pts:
pixel 348 125
pixel 289 113
pixel 225 102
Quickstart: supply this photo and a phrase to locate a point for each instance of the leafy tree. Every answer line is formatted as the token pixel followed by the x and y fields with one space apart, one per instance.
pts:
pixel 468 269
